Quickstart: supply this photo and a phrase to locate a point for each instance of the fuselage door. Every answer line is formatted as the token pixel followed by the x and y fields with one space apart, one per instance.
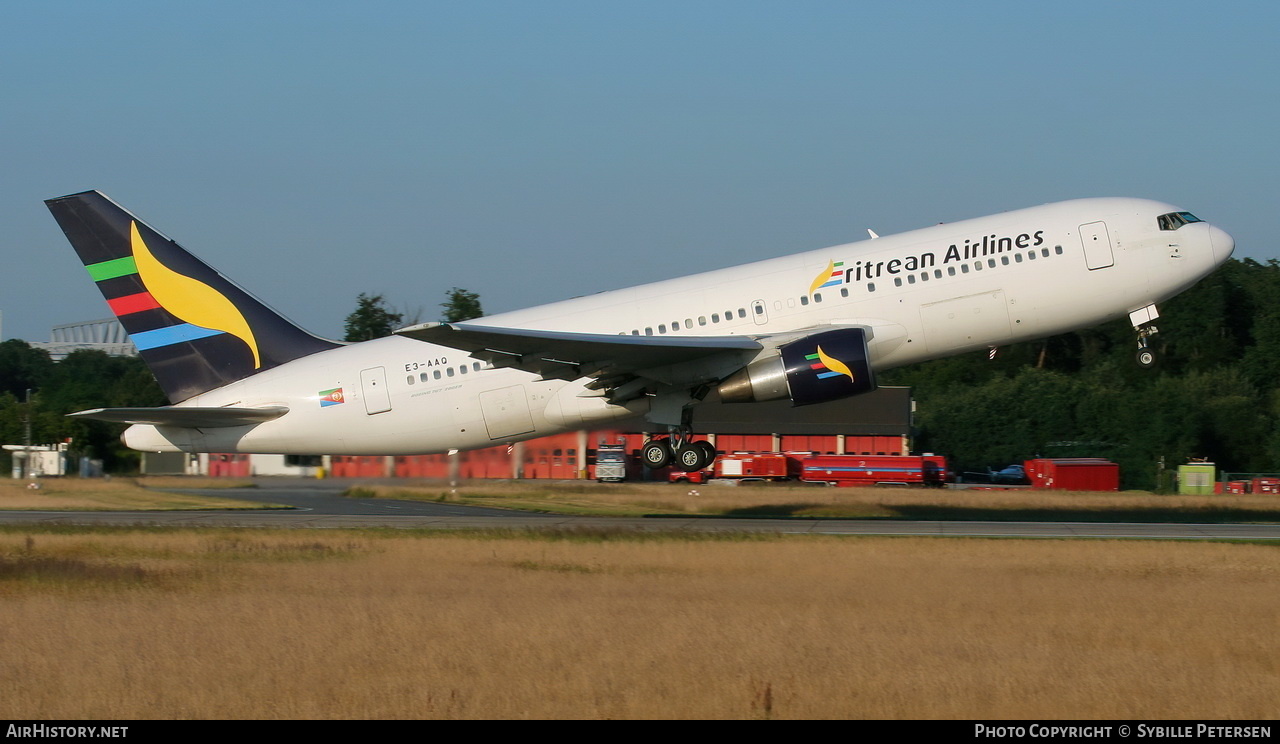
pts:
pixel 1097 245
pixel 373 388
pixel 759 312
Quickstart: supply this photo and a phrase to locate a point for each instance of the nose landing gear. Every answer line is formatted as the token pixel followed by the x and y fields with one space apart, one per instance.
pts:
pixel 1143 321
pixel 1146 356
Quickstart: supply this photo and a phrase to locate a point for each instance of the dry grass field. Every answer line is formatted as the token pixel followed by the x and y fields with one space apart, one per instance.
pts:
pixel 129 624
pixel 776 500
pixel 116 494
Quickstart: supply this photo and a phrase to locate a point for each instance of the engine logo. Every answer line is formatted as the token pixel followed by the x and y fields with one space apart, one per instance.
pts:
pixel 829 366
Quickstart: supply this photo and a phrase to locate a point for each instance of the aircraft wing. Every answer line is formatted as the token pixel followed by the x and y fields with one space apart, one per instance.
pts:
pixel 568 356
pixel 190 417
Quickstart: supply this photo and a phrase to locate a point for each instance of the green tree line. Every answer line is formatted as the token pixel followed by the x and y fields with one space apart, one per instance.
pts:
pixel 1214 395
pixel 84 379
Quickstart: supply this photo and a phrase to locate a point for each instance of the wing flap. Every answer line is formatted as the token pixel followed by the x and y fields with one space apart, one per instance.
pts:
pixel 187 417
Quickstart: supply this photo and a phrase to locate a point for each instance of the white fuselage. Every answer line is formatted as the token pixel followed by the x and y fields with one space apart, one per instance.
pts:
pixel 925 294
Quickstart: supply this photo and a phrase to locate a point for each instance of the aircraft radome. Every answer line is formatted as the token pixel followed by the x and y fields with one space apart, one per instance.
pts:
pixel 810 327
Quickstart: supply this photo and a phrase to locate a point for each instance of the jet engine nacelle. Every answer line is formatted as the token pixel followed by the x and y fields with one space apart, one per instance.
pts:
pixel 814 369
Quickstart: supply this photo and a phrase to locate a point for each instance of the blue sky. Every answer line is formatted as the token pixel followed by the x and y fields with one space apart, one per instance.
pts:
pixel 533 151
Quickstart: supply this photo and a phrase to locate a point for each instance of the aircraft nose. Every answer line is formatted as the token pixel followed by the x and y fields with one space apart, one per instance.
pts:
pixel 1223 244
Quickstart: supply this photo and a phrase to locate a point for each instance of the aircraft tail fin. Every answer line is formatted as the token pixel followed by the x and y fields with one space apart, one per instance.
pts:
pixel 193 327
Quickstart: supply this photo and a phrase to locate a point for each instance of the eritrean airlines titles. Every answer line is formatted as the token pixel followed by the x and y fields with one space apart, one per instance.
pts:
pixel 989 245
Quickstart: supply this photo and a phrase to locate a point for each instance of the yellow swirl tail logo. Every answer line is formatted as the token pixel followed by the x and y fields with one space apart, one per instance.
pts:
pixel 190 300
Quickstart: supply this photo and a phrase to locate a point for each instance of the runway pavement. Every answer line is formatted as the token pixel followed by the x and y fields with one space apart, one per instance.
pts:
pixel 316 504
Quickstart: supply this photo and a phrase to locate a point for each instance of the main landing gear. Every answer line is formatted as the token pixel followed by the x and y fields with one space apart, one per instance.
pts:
pixel 673 407
pixel 677 449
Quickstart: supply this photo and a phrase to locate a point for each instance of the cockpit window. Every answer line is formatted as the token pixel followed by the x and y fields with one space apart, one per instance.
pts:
pixel 1174 220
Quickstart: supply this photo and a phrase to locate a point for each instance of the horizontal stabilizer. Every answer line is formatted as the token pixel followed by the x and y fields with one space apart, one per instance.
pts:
pixel 188 417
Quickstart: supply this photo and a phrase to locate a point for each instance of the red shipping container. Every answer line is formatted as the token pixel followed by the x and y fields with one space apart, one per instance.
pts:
pixel 874 470
pixel 1237 486
pixel 1073 474
pixel 230 465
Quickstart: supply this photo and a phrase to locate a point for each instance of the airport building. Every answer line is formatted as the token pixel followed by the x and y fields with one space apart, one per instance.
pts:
pixel 100 335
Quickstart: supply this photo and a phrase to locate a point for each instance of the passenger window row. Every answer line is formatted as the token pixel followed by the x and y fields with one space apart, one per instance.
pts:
pixel 437 374
pixel 991 263
pixel 898 281
pixel 688 322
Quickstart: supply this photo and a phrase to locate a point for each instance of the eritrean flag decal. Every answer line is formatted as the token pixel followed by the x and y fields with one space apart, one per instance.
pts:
pixel 331 397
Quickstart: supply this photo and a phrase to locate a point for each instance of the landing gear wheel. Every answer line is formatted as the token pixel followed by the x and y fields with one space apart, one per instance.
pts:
pixel 691 457
pixel 708 453
pixel 656 454
pixel 1146 358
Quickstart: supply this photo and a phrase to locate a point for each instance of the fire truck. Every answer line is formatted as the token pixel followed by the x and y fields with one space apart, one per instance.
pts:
pixel 745 466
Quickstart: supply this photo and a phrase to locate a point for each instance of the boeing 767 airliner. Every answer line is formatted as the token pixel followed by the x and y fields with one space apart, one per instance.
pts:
pixel 811 327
